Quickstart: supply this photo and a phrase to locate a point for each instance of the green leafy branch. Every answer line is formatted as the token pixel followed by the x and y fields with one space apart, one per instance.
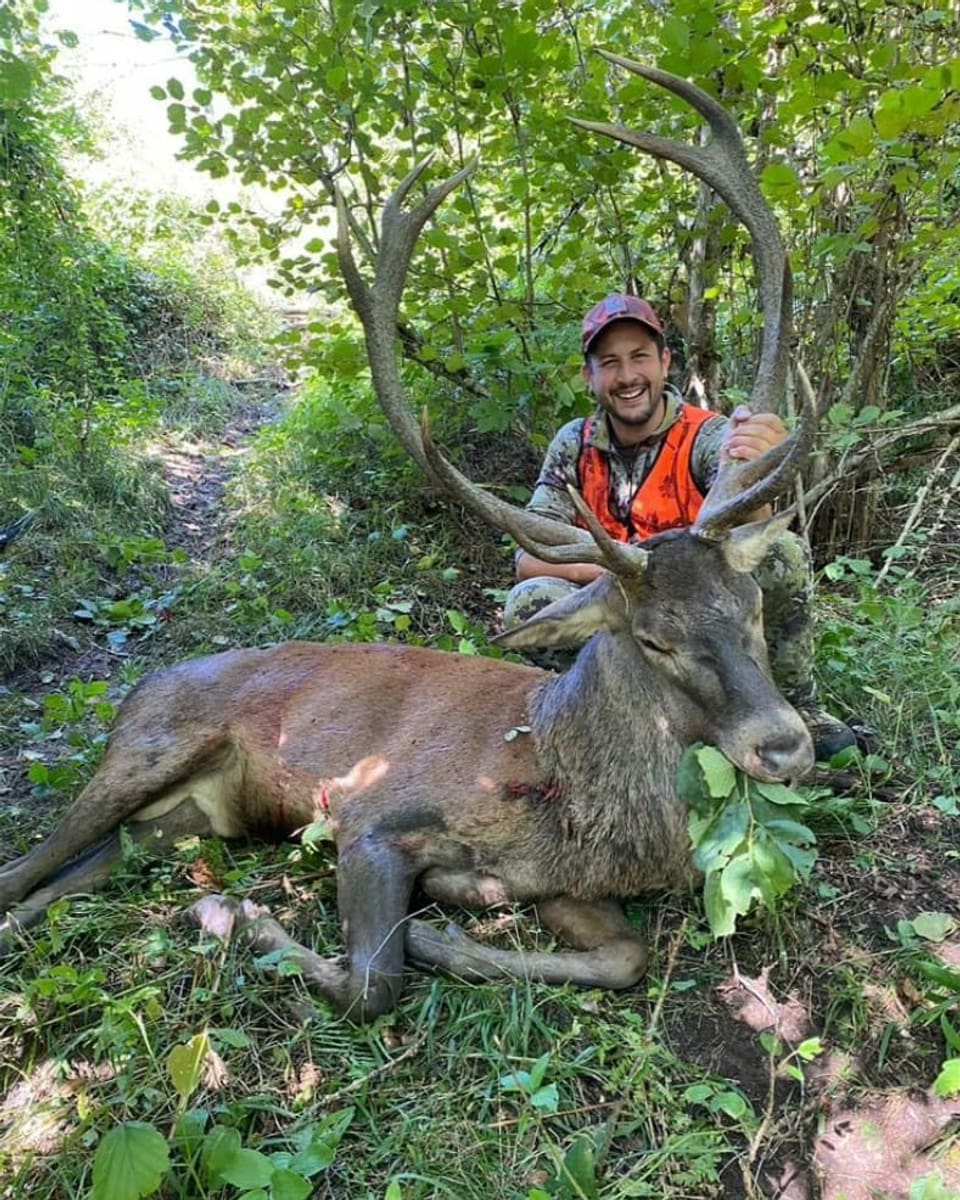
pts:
pixel 748 838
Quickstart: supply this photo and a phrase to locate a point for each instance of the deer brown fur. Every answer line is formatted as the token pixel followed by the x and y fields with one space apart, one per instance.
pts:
pixel 471 780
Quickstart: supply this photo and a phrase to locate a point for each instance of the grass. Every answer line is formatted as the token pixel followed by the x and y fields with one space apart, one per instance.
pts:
pixel 438 1090
pixel 892 653
pixel 465 1090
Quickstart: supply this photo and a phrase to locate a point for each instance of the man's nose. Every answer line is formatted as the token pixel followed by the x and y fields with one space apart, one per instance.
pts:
pixel 627 371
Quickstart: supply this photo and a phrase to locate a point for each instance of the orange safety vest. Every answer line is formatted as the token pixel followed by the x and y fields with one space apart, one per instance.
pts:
pixel 667 499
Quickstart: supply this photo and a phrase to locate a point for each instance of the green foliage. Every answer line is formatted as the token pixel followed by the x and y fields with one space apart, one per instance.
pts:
pixel 336 431
pixel 108 337
pixel 924 942
pixel 875 656
pixel 79 299
pixel 544 1097
pixel 747 836
pixel 132 1158
pixel 131 615
pixel 932 1187
pixel 927 926
pixel 788 1061
pixel 131 1161
pixel 853 117
pixel 947 1082
pixel 77 717
pixel 501 275
pixel 71 302
pixel 718 1099
pixel 454 1094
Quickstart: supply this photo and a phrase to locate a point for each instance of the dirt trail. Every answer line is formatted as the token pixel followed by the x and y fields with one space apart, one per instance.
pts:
pixel 197 474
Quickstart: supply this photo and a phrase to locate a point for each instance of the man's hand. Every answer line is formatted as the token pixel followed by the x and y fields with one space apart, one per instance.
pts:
pixel 752 434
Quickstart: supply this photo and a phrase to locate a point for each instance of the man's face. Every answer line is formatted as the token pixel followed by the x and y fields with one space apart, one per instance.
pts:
pixel 626 374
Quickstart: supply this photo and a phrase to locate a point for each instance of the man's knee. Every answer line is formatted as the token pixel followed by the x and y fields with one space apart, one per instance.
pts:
pixel 527 598
pixel 787 567
pixel 524 601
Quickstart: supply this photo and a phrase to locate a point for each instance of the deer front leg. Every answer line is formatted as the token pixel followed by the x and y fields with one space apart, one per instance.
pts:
pixel 374 880
pixel 609 952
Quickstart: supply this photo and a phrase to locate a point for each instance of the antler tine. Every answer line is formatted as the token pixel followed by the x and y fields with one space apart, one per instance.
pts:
pixel 620 557
pixel 722 164
pixel 399 230
pixel 377 306
pixel 742 487
pixel 553 541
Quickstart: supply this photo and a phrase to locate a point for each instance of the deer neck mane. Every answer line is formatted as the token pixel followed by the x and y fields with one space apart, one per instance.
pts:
pixel 609 737
pixel 608 728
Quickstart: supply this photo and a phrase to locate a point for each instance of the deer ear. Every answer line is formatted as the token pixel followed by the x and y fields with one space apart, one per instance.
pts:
pixel 571 620
pixel 745 547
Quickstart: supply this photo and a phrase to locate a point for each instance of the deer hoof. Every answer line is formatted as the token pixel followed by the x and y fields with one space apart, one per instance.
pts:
pixel 216 915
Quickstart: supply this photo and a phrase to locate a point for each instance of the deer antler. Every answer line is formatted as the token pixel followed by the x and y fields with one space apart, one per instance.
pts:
pixel 595 546
pixel 377 307
pixel 740 488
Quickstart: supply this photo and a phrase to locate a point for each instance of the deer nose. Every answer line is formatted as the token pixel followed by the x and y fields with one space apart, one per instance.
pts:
pixel 789 755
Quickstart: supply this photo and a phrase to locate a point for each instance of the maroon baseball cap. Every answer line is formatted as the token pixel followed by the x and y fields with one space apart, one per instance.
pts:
pixel 618 307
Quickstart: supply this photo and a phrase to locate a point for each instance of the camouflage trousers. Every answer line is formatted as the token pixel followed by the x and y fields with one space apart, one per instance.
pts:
pixel 786 579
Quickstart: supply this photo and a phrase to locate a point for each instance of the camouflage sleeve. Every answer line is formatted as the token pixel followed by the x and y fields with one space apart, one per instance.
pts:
pixel 706 452
pixel 550 496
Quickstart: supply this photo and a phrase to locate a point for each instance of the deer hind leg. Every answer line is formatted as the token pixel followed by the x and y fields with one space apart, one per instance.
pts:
pixel 608 952
pixel 136 772
pixel 92 869
pixel 375 880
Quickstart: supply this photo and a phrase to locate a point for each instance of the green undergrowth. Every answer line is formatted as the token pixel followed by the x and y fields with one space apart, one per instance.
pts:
pixel 124 1034
pixel 889 652
pixel 338 537
pixel 125 1038
pixel 116 1016
pixel 125 330
pixel 466 1091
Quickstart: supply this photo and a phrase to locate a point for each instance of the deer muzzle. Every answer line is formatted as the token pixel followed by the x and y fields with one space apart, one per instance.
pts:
pixel 783 756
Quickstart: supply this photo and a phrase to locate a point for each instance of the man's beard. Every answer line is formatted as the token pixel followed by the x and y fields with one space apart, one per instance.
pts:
pixel 640 414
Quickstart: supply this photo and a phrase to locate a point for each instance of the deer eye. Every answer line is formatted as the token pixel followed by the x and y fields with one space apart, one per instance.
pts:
pixel 653 646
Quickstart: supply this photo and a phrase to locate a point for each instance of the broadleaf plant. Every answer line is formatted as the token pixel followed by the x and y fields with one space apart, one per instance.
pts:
pixel 748 838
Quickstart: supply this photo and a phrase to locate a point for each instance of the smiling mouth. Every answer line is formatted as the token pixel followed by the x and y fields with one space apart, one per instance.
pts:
pixel 634 396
